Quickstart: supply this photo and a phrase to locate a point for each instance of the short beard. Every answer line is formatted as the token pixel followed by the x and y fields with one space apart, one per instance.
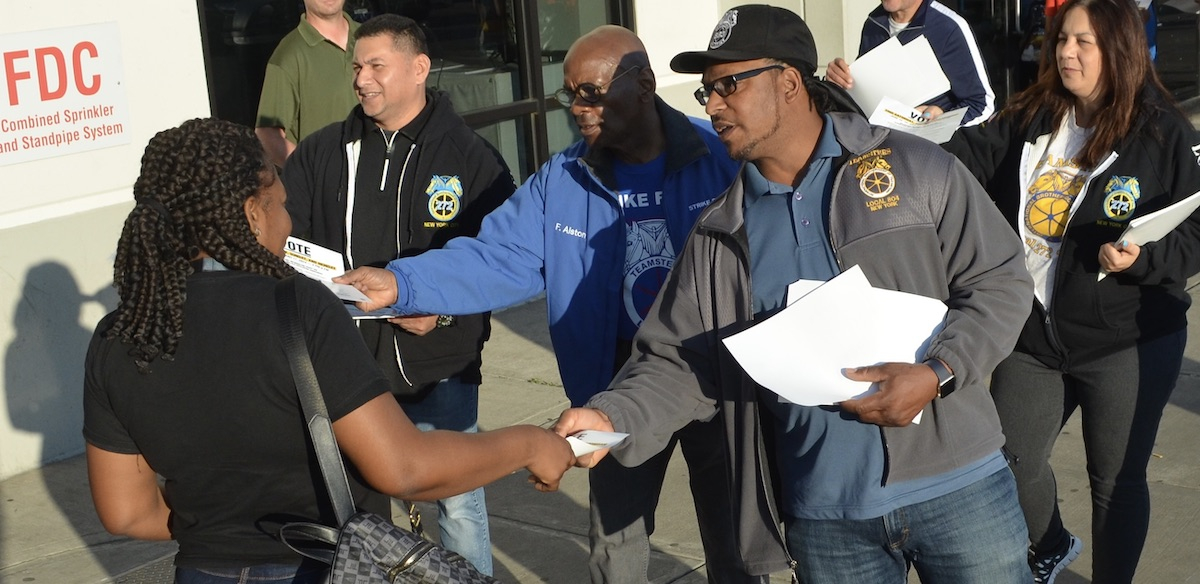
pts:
pixel 747 154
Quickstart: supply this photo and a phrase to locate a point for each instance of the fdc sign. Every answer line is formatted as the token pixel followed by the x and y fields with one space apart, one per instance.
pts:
pixel 63 92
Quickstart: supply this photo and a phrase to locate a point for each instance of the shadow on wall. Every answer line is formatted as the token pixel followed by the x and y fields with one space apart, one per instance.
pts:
pixel 44 375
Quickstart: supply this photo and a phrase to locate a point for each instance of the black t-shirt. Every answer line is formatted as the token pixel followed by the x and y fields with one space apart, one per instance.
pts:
pixel 221 422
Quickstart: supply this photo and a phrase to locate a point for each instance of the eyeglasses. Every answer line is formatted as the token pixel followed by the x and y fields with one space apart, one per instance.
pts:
pixel 590 93
pixel 725 86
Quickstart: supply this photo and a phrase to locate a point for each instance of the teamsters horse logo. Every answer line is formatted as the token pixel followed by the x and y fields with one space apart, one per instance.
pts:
pixel 445 196
pixel 723 30
pixel 875 177
pixel 1049 204
pixel 1120 197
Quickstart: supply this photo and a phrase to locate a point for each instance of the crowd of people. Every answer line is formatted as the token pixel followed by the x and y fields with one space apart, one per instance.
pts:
pixel 654 237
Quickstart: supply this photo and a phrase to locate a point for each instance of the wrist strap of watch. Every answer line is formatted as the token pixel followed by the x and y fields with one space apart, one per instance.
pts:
pixel 945 376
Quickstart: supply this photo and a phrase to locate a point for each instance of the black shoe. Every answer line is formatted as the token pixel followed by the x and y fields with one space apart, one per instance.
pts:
pixel 1046 568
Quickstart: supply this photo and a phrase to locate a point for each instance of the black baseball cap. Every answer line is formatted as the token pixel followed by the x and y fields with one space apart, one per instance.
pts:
pixel 755 31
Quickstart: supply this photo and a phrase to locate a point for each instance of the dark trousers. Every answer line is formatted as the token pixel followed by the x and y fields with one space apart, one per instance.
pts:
pixel 1121 398
pixel 623 501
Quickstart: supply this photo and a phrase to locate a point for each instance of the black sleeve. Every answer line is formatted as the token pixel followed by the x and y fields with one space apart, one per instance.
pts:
pixel 488 186
pixel 345 369
pixel 299 180
pixel 101 427
pixel 982 148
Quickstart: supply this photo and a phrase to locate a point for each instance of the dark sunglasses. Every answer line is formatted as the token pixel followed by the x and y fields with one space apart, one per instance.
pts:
pixel 590 93
pixel 725 86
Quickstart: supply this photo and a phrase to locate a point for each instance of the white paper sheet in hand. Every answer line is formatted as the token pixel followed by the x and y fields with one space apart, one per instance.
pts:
pixel 799 353
pixel 909 74
pixel 589 441
pixel 321 264
pixel 1154 226
pixel 897 116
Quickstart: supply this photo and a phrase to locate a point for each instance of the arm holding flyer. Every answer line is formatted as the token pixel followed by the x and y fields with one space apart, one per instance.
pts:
pixel 1145 229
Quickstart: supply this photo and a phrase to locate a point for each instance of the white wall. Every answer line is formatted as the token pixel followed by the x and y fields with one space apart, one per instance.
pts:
pixel 56 259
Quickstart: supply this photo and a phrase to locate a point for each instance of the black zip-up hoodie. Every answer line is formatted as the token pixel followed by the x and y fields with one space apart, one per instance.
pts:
pixel 1088 319
pixel 318 178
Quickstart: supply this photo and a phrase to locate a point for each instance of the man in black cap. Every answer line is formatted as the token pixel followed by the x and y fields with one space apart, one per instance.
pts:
pixel 856 491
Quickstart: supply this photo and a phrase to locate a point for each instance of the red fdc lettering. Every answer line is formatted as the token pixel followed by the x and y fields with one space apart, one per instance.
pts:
pixel 44 80
pixel 51 61
pixel 79 49
pixel 12 75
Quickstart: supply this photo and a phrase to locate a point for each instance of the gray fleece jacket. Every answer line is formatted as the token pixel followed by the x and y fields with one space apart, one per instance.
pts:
pixel 917 222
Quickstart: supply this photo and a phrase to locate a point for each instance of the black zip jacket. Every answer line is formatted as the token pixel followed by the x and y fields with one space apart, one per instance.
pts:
pixel 317 177
pixel 1088 319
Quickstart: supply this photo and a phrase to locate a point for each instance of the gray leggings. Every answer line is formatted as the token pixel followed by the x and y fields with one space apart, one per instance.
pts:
pixel 1121 398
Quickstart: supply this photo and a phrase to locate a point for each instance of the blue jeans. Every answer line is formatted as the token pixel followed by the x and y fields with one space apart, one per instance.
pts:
pixel 462 519
pixel 308 573
pixel 975 535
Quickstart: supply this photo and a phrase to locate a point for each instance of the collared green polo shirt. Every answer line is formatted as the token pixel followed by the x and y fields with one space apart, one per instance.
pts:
pixel 309 83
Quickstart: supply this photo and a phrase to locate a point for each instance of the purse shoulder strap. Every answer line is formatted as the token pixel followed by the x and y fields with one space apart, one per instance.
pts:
pixel 320 429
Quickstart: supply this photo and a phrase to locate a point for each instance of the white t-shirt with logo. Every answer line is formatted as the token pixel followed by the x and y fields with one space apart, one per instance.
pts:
pixel 1050 195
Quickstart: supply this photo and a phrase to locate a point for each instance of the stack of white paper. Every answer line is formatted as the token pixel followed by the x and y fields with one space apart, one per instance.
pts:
pixel 893 79
pixel 800 352
pixel 909 74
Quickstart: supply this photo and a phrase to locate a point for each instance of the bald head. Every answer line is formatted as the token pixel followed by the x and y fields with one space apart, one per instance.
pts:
pixel 611 90
pixel 609 44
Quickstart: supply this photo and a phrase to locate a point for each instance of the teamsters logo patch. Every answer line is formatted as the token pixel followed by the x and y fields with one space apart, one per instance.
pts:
pixel 723 30
pixel 1120 197
pixel 875 179
pixel 1049 204
pixel 445 197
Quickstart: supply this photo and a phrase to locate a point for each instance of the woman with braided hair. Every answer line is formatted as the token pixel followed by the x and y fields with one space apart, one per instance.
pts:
pixel 188 381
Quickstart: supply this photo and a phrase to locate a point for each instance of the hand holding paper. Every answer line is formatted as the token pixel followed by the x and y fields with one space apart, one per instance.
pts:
pixel 1153 226
pixel 589 441
pixel 802 352
pixel 904 390
pixel 321 264
pixel 895 115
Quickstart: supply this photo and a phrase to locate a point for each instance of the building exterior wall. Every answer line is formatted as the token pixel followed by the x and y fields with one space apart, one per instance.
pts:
pixel 60 218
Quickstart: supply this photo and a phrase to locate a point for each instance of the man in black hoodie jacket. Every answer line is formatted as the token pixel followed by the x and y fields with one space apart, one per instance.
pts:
pixel 403 174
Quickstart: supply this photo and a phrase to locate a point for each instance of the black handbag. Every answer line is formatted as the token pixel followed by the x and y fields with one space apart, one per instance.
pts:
pixel 367 548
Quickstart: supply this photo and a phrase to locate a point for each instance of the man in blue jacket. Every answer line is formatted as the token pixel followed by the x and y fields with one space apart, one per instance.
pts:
pixel 597 228
pixel 952 42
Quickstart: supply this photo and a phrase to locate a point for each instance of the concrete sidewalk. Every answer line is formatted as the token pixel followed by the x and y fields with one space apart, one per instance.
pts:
pixel 49 532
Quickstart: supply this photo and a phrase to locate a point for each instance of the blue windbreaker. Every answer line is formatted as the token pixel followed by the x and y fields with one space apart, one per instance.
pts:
pixel 562 232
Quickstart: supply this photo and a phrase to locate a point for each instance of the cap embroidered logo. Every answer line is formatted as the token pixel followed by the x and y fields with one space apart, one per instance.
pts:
pixel 723 30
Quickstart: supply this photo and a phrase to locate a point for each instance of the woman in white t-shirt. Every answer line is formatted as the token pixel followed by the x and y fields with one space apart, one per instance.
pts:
pixel 1095 142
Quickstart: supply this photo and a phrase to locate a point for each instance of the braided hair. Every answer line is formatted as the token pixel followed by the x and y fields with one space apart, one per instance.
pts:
pixel 194 182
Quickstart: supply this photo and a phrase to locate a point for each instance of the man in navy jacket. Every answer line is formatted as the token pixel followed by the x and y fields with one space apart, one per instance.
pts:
pixel 952 42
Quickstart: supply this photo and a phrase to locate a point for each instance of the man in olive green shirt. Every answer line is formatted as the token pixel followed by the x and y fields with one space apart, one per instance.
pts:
pixel 309 82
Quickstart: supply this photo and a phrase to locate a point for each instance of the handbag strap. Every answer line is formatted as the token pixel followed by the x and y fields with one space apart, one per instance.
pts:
pixel 320 429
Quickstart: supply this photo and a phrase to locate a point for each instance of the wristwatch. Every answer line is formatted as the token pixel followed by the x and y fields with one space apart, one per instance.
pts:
pixel 445 320
pixel 945 376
